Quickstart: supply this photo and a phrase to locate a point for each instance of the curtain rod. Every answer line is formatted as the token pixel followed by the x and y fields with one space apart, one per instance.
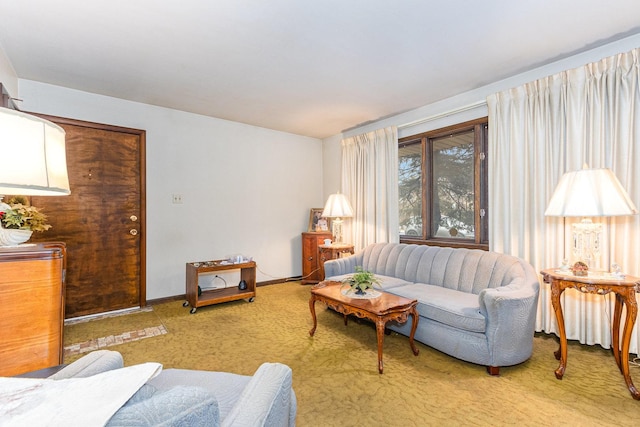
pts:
pixel 445 114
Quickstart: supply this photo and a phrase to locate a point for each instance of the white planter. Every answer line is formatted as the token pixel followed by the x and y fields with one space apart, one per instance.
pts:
pixel 11 237
pixel 368 294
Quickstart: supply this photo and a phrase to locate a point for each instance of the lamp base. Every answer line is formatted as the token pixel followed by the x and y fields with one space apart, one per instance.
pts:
pixel 586 241
pixel 336 229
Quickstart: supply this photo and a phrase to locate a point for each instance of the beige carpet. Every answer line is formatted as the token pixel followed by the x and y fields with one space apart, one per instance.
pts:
pixel 335 373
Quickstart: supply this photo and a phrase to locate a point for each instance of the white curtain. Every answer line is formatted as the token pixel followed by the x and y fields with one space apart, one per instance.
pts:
pixel 541 130
pixel 370 182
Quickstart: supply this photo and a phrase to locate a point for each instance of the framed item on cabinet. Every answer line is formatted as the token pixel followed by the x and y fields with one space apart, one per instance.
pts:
pixel 317 222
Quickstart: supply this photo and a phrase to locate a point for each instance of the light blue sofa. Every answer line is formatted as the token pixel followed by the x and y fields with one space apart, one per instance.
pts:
pixel 474 305
pixel 181 397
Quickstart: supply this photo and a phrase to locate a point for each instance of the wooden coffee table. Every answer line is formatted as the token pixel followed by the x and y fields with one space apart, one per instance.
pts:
pixel 380 310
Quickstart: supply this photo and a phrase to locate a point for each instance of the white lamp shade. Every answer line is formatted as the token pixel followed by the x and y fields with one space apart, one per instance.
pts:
pixel 33 160
pixel 590 193
pixel 337 207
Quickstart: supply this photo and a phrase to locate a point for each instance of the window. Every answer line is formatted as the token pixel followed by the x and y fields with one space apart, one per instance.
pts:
pixel 443 186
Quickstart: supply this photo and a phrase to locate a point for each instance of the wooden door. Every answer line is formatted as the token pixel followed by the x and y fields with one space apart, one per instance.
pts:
pixel 102 222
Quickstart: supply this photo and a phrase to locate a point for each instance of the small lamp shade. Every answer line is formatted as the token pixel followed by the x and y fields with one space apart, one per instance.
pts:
pixel 32 154
pixel 337 206
pixel 590 193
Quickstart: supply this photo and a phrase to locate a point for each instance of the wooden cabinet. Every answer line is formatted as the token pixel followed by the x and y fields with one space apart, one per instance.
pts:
pixel 196 297
pixel 311 265
pixel 32 301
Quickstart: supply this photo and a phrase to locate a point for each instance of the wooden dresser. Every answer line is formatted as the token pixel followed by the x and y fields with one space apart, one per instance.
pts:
pixel 312 271
pixel 32 301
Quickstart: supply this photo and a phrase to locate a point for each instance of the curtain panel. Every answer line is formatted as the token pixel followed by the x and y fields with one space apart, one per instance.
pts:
pixel 370 182
pixel 541 130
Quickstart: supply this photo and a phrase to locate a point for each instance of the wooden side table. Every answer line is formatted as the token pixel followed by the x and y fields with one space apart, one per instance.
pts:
pixel 196 299
pixel 601 284
pixel 333 251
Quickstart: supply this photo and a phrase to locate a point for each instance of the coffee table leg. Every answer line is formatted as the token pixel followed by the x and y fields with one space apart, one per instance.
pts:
pixel 312 307
pixel 380 332
pixel 414 326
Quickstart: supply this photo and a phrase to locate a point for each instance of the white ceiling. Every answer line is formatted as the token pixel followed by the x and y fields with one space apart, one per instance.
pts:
pixel 309 67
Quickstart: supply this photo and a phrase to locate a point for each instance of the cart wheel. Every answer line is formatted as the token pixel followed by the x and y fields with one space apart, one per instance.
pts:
pixel 193 310
pixel 252 299
pixel 185 304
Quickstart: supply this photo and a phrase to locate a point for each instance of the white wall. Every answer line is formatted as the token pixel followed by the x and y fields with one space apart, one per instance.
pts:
pixel 8 75
pixel 466 106
pixel 331 182
pixel 246 189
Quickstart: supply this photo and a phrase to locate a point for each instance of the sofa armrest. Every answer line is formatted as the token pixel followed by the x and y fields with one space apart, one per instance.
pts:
pixel 267 400
pixel 42 373
pixel 91 364
pixel 339 266
pixel 511 314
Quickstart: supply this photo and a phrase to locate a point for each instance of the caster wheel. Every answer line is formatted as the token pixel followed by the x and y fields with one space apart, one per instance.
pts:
pixel 252 299
pixel 185 304
pixel 193 310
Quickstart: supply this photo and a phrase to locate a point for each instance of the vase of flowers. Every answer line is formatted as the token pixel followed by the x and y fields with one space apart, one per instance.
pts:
pixel 360 281
pixel 18 220
pixel 580 269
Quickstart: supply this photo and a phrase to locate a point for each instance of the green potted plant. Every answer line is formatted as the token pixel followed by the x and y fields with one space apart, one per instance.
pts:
pixel 360 281
pixel 18 220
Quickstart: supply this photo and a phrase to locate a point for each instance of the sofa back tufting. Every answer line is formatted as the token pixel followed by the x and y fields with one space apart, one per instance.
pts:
pixel 466 270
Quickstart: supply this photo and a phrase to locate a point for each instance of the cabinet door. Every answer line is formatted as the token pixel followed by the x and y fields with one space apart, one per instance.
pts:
pixel 311 272
pixel 309 258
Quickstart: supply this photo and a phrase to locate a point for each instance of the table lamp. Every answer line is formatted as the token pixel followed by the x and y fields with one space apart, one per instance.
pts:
pixel 33 162
pixel 32 150
pixel 589 193
pixel 337 207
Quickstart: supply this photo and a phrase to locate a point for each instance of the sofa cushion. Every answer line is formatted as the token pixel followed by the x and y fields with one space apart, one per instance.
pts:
pixel 386 282
pixel 454 308
pixel 178 406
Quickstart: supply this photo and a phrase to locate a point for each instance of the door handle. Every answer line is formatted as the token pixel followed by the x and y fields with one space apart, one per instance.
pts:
pixel 133 232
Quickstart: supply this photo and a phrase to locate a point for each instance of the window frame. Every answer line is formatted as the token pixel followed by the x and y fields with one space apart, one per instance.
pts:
pixel 480 183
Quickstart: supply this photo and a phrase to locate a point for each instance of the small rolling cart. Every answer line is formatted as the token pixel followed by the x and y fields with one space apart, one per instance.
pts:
pixel 196 297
